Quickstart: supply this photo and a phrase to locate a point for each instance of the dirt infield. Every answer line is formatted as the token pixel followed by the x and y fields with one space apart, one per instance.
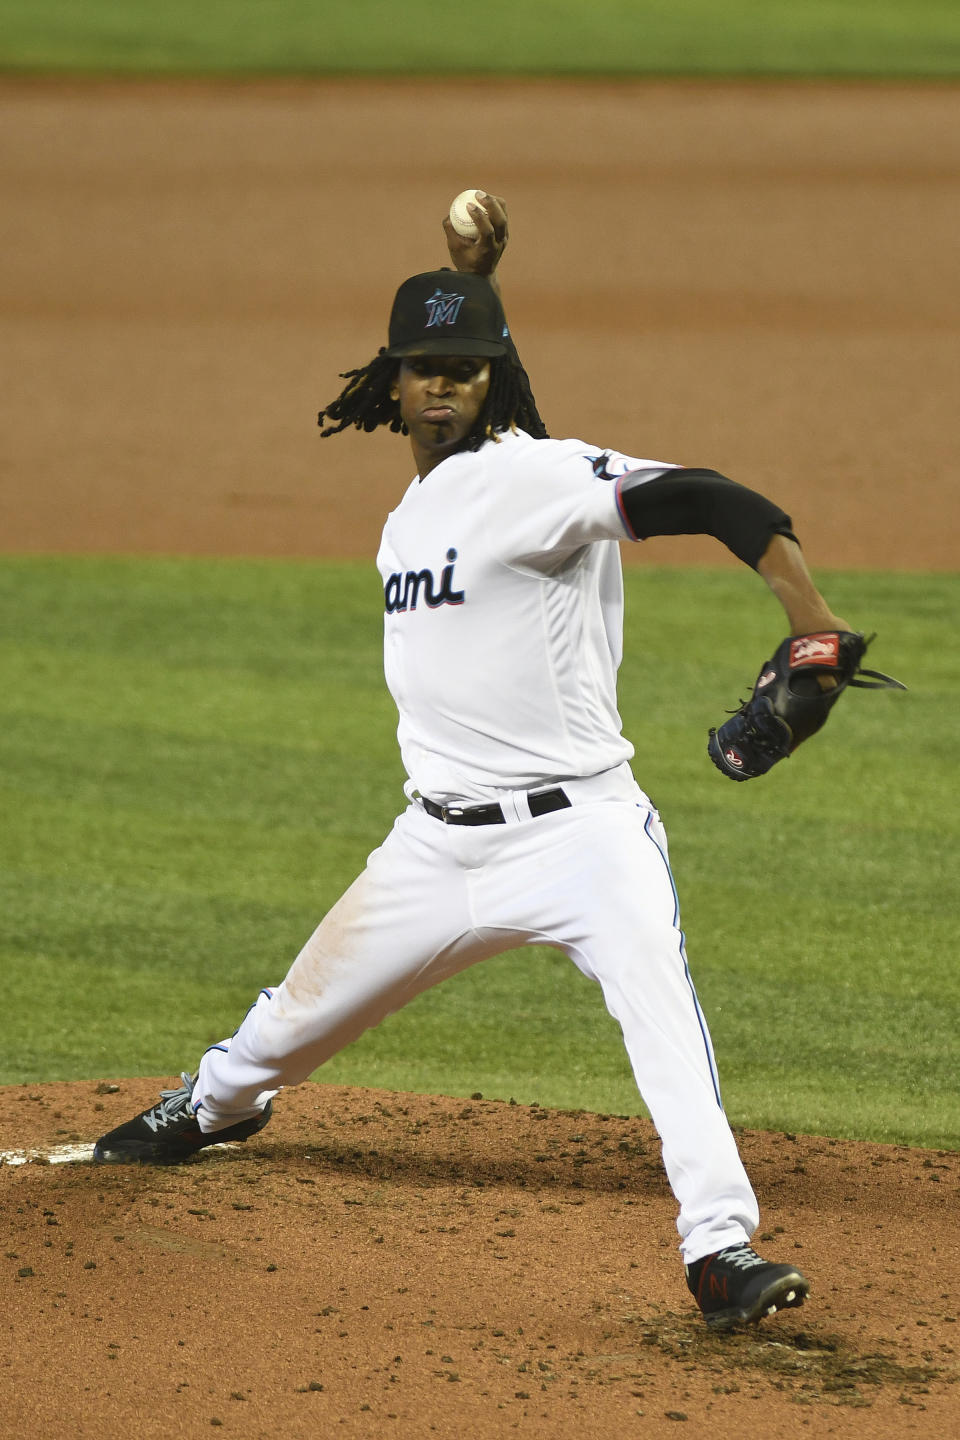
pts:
pixel 757 278
pixel 761 279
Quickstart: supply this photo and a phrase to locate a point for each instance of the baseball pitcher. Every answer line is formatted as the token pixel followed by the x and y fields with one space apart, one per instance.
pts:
pixel 524 823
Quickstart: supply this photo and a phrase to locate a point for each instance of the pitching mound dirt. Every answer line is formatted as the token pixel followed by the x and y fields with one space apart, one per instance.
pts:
pixel 377 1264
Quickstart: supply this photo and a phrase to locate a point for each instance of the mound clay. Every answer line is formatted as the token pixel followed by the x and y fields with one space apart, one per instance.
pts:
pixel 377 1263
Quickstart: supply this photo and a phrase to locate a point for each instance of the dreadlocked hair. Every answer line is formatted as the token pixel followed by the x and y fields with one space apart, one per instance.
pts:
pixel 509 404
pixel 366 403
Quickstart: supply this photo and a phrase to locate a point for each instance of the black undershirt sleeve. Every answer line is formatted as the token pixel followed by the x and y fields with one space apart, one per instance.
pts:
pixel 703 502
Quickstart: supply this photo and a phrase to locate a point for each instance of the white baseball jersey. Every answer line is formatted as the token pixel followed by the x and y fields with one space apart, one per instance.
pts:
pixel 504 617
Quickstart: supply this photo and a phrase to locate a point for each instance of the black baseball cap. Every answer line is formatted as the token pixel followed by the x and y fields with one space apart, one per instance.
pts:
pixel 447 312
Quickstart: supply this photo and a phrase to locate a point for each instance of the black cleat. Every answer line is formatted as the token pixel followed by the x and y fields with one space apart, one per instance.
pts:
pixel 169 1133
pixel 736 1287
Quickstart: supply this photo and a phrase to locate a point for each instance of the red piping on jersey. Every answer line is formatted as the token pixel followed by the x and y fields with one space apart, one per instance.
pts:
pixel 621 511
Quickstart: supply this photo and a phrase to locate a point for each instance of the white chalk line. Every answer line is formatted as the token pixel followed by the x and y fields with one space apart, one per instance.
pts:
pixel 72 1154
pixel 59 1155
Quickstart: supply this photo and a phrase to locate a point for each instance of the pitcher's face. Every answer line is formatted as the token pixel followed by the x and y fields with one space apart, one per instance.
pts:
pixel 440 399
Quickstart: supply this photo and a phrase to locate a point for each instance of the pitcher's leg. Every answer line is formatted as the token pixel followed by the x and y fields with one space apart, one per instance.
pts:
pixel 605 895
pixel 649 991
pixel 400 928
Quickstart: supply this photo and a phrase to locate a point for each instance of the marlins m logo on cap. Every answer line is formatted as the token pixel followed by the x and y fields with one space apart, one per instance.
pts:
pixel 442 308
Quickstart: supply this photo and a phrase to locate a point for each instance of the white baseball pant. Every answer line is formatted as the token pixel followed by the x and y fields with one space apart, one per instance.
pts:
pixel 593 881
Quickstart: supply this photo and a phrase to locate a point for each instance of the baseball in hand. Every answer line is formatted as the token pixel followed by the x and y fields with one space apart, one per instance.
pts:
pixel 460 217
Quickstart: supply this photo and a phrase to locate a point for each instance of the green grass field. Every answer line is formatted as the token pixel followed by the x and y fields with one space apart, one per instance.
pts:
pixel 198 755
pixel 607 37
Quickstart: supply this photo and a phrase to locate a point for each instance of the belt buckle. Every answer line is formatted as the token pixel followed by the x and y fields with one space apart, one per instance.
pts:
pixel 446 811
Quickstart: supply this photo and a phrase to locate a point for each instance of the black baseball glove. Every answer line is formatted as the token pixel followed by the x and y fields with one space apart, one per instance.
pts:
pixel 789 703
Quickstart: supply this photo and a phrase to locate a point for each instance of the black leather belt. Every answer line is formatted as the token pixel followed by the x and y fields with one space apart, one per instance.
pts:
pixel 541 803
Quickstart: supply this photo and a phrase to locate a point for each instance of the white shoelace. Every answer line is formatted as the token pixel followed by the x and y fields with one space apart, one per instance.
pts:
pixel 172 1104
pixel 741 1257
